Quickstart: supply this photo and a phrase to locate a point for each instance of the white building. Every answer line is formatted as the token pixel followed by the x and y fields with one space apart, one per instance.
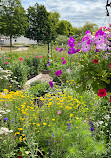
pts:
pixel 20 40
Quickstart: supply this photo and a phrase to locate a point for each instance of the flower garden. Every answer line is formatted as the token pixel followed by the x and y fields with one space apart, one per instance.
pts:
pixel 69 116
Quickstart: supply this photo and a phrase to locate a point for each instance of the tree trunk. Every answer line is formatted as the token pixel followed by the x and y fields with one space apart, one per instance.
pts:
pixel 0 43
pixel 10 43
pixel 51 49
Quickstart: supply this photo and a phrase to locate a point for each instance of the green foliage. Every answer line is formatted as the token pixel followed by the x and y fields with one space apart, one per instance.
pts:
pixel 62 39
pixel 94 75
pixel 64 28
pixel 39 89
pixel 34 65
pixel 53 19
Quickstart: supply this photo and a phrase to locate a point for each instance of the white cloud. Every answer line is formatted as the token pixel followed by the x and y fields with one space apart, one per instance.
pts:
pixel 75 11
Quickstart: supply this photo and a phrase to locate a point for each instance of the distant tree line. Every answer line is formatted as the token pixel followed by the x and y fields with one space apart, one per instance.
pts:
pixel 36 22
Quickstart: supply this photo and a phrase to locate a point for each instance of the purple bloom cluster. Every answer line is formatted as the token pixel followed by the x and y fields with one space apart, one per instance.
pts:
pixel 63 61
pixel 58 72
pixel 92 126
pixel 100 40
pixel 48 63
pixel 59 49
pixel 51 84
pixel 71 43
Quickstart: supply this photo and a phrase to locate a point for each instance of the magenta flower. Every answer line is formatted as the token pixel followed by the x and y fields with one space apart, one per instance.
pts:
pixel 62 58
pixel 63 61
pixel 71 42
pixel 85 47
pixel 51 84
pixel 58 72
pixel 6 62
pixel 57 48
pixel 21 59
pixel 71 51
pixel 59 112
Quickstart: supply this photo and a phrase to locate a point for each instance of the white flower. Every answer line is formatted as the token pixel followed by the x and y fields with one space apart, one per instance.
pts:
pixel 8 110
pixel 107 117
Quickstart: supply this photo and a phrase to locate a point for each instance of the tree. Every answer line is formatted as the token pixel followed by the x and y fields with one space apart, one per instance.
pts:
pixel 14 19
pixel 53 19
pixel 64 28
pixel 39 28
pixel 89 26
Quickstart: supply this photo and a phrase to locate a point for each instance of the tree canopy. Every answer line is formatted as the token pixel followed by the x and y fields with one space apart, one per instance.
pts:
pixel 39 28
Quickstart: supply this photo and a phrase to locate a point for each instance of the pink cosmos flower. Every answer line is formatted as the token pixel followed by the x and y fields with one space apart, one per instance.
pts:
pixel 99 39
pixel 33 53
pixel 59 112
pixel 6 62
pixel 41 57
pixel 5 57
pixel 58 72
pixel 21 59
pixel 86 47
pixel 37 56
pixel 27 56
pixel 101 46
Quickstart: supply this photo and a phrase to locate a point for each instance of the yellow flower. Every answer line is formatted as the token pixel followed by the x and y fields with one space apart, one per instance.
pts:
pixel 71 115
pixel 53 119
pixel 38 124
pixel 44 124
pixel 24 138
pixel 10 86
pixel 49 125
pixel 20 129
pixel 38 131
pixel 76 117
pixel 76 127
pixel 60 106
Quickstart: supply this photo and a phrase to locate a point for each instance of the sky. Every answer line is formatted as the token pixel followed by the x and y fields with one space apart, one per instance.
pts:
pixel 77 12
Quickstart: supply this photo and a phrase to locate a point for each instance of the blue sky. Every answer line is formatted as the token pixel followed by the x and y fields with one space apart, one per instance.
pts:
pixel 77 12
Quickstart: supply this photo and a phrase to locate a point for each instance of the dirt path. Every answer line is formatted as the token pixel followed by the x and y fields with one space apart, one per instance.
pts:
pixel 22 48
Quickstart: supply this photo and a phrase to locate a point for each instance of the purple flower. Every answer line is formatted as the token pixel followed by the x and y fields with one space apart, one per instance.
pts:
pixel 64 62
pixel 48 63
pixel 79 43
pixel 100 32
pixel 99 39
pixel 85 47
pixel 12 120
pixel 62 58
pixel 51 84
pixel 87 32
pixel 5 119
pixel 58 72
pixel 71 42
pixel 71 51
pixel 92 129
pixel 57 48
